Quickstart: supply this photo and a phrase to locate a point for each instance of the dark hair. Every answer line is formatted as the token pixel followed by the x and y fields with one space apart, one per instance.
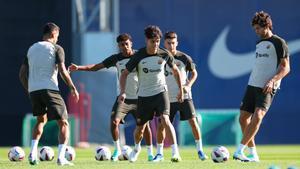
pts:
pixel 170 35
pixel 123 37
pixel 262 19
pixel 49 28
pixel 152 31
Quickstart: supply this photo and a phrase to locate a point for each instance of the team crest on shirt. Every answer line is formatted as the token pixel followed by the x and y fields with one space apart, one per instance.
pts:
pixel 178 63
pixel 160 61
pixel 268 46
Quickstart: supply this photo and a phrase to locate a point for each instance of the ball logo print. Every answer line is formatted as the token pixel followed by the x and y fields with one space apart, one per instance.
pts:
pixel 102 153
pixel 125 152
pixel 220 154
pixel 145 70
pixel 46 154
pixel 70 153
pixel 16 154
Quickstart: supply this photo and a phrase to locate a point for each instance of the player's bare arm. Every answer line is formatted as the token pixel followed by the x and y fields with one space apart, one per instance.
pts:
pixel 283 70
pixel 191 80
pixel 178 80
pixel 91 67
pixel 67 79
pixel 123 79
pixel 23 76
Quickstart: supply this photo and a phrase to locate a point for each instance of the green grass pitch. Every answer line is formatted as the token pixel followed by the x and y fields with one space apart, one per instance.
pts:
pixel 282 156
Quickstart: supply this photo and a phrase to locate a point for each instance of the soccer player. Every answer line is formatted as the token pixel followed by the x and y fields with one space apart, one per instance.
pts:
pixel 271 66
pixel 187 111
pixel 38 75
pixel 153 98
pixel 121 110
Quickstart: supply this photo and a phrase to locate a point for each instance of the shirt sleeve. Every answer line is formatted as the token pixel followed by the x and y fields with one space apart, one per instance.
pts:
pixel 133 62
pixel 190 65
pixel 110 61
pixel 281 48
pixel 285 50
pixel 59 55
pixel 170 60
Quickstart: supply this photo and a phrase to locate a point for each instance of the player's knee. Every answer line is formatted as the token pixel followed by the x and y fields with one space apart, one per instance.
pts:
pixel 165 120
pixel 259 114
pixel 63 123
pixel 193 122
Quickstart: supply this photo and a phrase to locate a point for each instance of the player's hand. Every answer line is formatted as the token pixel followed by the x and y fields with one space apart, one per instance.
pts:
pixel 186 89
pixel 75 94
pixel 72 67
pixel 180 96
pixel 269 87
pixel 122 98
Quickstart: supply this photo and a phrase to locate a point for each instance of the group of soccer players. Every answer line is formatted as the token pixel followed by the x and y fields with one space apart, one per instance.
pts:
pixel 153 81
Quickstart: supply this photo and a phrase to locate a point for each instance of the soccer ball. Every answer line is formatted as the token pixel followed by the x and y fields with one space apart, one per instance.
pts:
pixel 70 153
pixel 46 154
pixel 16 154
pixel 102 153
pixel 125 152
pixel 220 154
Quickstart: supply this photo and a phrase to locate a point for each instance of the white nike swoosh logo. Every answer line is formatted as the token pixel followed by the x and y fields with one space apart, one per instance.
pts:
pixel 227 65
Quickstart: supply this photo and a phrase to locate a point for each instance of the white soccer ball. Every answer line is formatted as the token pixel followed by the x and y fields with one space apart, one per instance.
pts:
pixel 220 154
pixel 16 154
pixel 125 152
pixel 70 153
pixel 46 154
pixel 102 153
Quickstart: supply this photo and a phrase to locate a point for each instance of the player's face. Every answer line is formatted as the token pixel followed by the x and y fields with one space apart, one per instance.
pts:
pixel 125 47
pixel 171 44
pixel 262 32
pixel 55 35
pixel 152 44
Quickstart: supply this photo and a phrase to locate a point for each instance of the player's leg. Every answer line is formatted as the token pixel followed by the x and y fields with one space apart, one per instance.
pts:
pixel 114 127
pixel 163 107
pixel 148 140
pixel 119 112
pixel 263 103
pixel 245 118
pixel 247 109
pixel 57 110
pixel 252 130
pixel 63 139
pixel 161 134
pixel 39 110
pixel 188 112
pixel 138 136
pixel 160 137
pixel 36 135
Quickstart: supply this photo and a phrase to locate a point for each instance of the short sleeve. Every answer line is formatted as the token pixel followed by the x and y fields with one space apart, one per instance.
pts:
pixel 59 54
pixel 190 65
pixel 110 61
pixel 133 62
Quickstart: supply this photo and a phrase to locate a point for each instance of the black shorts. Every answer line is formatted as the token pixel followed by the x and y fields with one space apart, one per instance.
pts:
pixel 152 106
pixel 120 111
pixel 50 102
pixel 255 98
pixel 186 110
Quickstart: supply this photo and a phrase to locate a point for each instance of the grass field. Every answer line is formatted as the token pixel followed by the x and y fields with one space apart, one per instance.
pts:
pixel 282 156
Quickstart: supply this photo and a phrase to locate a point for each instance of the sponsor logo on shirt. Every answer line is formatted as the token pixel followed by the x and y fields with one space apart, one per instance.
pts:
pixel 146 70
pixel 259 55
